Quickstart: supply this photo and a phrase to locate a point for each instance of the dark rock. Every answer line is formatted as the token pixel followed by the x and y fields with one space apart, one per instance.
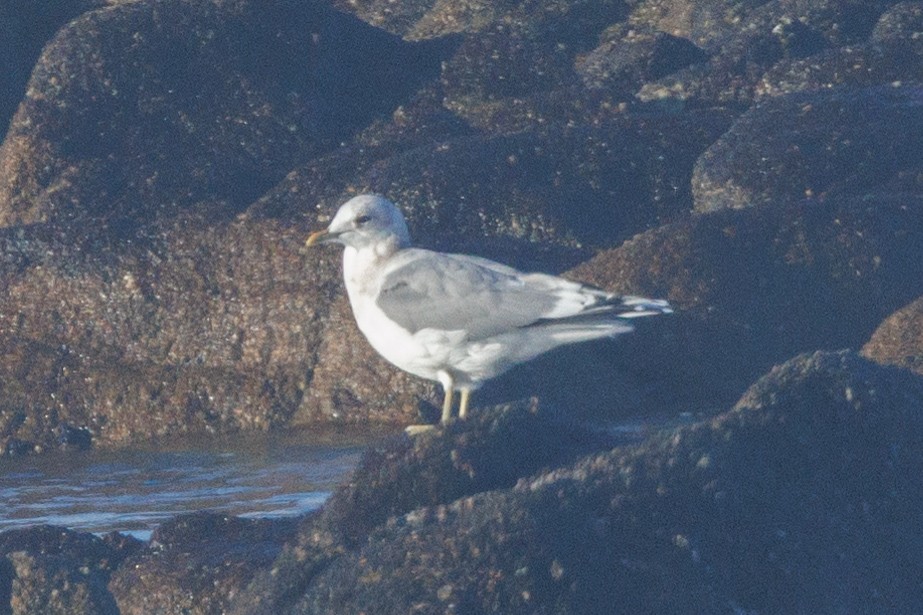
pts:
pixel 903 21
pixel 729 77
pixel 196 563
pixel 594 184
pixel 397 18
pixel 84 548
pixel 892 63
pixel 628 57
pixel 815 476
pixel 848 141
pixel 519 71
pixel 495 70
pixel 490 450
pixel 128 103
pixel 899 339
pixel 25 27
pixel 78 438
pixel 14 447
pixel 757 36
pixel 50 584
pixel 323 182
pixel 717 25
pixel 504 64
pixel 561 185
pixel 55 570
pixel 755 286
pixel 707 23
pixel 569 20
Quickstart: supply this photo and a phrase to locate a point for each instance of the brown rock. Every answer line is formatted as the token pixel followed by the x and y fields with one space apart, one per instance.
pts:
pixel 753 287
pixel 847 141
pixel 899 339
pixel 204 328
pixel 58 571
pixel 145 108
pixel 768 507
pixel 197 563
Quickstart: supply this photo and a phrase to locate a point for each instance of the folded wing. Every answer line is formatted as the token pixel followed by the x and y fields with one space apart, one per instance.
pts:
pixel 451 292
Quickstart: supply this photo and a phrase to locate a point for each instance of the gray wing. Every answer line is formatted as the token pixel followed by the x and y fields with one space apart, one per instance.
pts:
pixel 453 292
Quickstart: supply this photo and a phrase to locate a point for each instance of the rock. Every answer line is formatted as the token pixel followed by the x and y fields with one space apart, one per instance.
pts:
pixel 746 41
pixel 55 570
pixel 45 584
pixel 717 25
pixel 815 463
pixel 127 103
pixel 899 339
pixel 844 142
pixel 593 184
pixel 518 71
pixel 196 563
pixel 892 63
pixel 26 27
pixel 628 57
pixel 490 450
pixel 902 21
pixel 84 548
pixel 729 76
pixel 755 286
pixel 77 438
pixel 765 507
pixel 495 70
pixel 184 334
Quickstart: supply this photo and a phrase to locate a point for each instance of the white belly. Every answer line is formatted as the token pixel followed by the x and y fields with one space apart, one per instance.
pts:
pixel 428 352
pixel 424 353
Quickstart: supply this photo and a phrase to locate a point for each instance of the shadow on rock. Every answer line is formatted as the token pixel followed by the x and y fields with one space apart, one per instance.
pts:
pixel 197 563
pixel 490 450
pixel 47 569
pixel 814 478
pixel 754 287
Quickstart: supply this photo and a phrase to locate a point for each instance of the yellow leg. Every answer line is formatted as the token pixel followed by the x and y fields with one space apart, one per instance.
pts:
pixel 447 406
pixel 448 386
pixel 463 404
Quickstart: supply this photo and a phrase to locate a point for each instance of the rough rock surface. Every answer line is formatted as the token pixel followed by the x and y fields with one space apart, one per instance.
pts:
pixel 813 477
pixel 851 141
pixel 196 564
pixel 120 90
pixel 762 284
pixel 167 178
pixel 746 39
pixel 757 163
pixel 54 570
pixel 25 27
pixel 899 338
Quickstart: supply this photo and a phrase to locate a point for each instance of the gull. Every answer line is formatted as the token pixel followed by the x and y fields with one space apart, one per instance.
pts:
pixel 456 319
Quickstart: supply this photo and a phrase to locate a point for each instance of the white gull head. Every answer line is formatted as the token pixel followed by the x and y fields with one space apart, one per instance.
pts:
pixel 365 221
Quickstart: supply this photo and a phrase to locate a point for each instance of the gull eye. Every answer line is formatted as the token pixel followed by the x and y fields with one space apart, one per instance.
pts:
pixel 363 219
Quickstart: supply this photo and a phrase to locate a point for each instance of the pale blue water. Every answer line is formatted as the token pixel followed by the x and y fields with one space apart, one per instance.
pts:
pixel 133 491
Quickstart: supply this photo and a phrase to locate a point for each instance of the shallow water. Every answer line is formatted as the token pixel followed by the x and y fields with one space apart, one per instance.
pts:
pixel 133 491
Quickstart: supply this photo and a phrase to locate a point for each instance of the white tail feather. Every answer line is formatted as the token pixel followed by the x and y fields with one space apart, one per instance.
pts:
pixel 641 306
